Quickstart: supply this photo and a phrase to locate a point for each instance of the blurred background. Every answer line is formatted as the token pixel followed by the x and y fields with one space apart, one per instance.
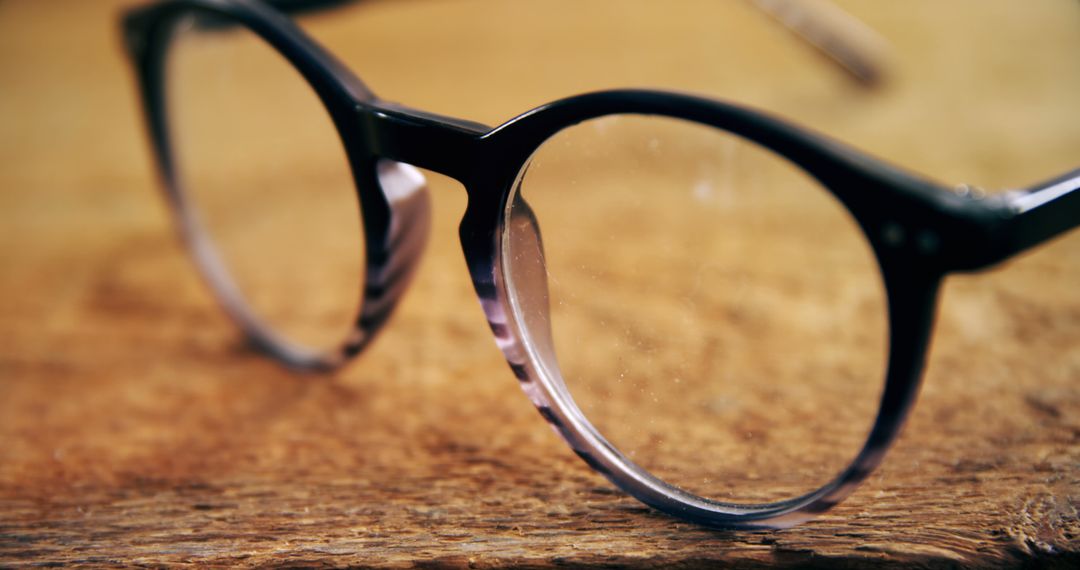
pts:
pixel 119 374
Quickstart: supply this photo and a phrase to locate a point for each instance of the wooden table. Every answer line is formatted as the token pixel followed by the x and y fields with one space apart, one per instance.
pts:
pixel 137 427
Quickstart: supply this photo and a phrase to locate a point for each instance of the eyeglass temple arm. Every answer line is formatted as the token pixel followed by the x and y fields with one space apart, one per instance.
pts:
pixel 1042 212
pixel 841 37
pixel 836 34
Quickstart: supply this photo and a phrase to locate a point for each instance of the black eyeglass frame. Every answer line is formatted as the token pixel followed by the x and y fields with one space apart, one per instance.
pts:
pixel 919 231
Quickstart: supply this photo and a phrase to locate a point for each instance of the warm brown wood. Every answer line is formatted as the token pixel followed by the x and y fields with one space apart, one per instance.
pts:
pixel 136 427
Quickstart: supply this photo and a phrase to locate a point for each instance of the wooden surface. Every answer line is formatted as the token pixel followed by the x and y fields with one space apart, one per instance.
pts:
pixel 137 427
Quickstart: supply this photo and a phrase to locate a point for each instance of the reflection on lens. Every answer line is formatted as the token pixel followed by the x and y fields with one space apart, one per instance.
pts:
pixel 716 314
pixel 265 174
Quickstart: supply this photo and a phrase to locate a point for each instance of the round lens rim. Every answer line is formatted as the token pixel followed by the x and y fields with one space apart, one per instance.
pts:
pixel 206 252
pixel 910 290
pixel 387 269
pixel 569 385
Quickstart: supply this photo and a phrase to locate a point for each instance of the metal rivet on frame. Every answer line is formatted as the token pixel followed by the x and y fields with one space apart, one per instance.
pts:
pixel 893 234
pixel 927 242
pixel 969 191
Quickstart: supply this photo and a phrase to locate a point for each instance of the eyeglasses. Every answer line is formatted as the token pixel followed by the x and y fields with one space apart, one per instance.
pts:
pixel 711 308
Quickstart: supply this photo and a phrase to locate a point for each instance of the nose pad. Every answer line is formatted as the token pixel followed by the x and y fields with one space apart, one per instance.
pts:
pixel 392 263
pixel 529 279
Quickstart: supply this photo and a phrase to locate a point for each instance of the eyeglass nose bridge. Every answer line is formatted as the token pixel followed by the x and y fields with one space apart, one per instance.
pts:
pixel 391 143
pixel 442 144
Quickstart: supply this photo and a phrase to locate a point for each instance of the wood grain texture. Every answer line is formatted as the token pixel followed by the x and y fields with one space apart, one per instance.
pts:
pixel 137 427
